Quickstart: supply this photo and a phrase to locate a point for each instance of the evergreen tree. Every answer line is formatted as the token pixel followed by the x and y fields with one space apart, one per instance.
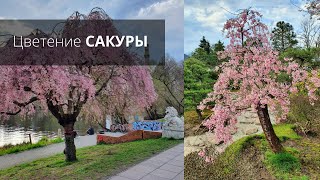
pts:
pixel 219 46
pixel 283 36
pixel 205 45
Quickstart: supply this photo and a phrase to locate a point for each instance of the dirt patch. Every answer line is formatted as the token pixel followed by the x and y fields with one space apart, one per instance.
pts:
pixel 251 166
pixel 309 154
pixel 192 124
pixel 194 129
pixel 248 165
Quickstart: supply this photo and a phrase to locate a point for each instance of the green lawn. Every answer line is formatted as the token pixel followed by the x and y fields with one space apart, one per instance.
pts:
pixel 93 162
pixel 251 157
pixel 10 149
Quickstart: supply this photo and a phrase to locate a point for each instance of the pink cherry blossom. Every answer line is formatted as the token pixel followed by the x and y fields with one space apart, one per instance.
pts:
pixel 313 8
pixel 250 76
pixel 68 90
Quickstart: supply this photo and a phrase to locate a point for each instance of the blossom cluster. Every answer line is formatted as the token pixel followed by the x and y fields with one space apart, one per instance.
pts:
pixel 250 77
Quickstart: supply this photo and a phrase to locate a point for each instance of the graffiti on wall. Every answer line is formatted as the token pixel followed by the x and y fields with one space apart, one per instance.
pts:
pixel 148 126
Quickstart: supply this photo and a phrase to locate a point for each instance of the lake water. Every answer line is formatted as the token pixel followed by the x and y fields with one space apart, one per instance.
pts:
pixel 17 129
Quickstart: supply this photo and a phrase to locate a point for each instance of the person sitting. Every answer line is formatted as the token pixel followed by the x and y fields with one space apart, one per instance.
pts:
pixel 90 131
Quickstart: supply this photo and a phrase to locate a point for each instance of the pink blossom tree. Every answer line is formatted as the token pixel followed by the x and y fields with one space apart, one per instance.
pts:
pixel 251 79
pixel 313 8
pixel 68 90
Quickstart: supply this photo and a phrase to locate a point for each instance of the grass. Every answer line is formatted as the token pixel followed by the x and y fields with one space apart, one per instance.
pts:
pixel 93 162
pixel 251 157
pixel 309 149
pixel 285 165
pixel 162 120
pixel 286 131
pixel 225 166
pixel 233 151
pixel 282 162
pixel 44 141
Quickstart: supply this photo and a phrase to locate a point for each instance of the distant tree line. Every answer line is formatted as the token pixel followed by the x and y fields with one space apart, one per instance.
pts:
pixel 285 40
pixel 199 75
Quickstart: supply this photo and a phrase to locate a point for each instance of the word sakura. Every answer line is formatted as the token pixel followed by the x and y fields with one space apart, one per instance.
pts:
pixel 91 41
pixel 109 41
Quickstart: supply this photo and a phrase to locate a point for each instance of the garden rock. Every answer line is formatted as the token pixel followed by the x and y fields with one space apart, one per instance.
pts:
pixel 248 124
pixel 251 131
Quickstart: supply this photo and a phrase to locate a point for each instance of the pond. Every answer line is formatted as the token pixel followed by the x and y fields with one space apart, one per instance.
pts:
pixel 16 129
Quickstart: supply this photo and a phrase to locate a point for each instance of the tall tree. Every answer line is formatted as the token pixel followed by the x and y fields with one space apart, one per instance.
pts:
pixel 208 54
pixel 199 74
pixel 205 45
pixel 219 46
pixel 283 36
pixel 66 91
pixel 169 83
pixel 310 29
pixel 198 80
pixel 249 80
pixel 313 8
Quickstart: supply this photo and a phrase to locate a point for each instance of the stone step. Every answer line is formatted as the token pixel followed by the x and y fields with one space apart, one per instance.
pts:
pixel 250 131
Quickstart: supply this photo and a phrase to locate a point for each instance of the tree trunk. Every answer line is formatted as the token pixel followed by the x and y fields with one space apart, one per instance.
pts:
pixel 70 150
pixel 200 118
pixel 267 128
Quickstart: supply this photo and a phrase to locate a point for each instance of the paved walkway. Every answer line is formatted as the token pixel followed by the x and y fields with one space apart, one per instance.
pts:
pixel 166 165
pixel 34 154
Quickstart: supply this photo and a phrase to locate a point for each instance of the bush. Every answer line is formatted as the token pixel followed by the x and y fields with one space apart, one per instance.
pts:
pixel 194 97
pixel 282 162
pixel 304 115
pixel 305 57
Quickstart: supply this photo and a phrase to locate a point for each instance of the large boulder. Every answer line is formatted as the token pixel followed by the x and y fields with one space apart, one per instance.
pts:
pixel 173 127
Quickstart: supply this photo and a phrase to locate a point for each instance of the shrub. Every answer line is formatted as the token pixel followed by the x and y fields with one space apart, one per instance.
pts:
pixel 303 115
pixel 194 97
pixel 282 163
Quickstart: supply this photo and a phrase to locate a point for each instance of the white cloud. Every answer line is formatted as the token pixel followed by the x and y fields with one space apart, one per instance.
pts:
pixel 157 9
pixel 285 13
pixel 209 16
pixel 206 18
pixel 172 12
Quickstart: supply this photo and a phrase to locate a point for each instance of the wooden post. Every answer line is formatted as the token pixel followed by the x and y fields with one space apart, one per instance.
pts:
pixel 30 138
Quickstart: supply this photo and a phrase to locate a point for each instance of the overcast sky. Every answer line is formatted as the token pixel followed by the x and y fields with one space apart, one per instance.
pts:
pixel 170 10
pixel 201 17
pixel 206 17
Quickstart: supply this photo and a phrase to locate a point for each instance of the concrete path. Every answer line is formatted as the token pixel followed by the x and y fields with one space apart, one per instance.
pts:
pixel 166 165
pixel 34 154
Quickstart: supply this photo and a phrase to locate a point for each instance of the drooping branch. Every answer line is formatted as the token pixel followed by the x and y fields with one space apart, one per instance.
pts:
pixel 24 104
pixel 11 113
pixel 20 105
pixel 105 83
